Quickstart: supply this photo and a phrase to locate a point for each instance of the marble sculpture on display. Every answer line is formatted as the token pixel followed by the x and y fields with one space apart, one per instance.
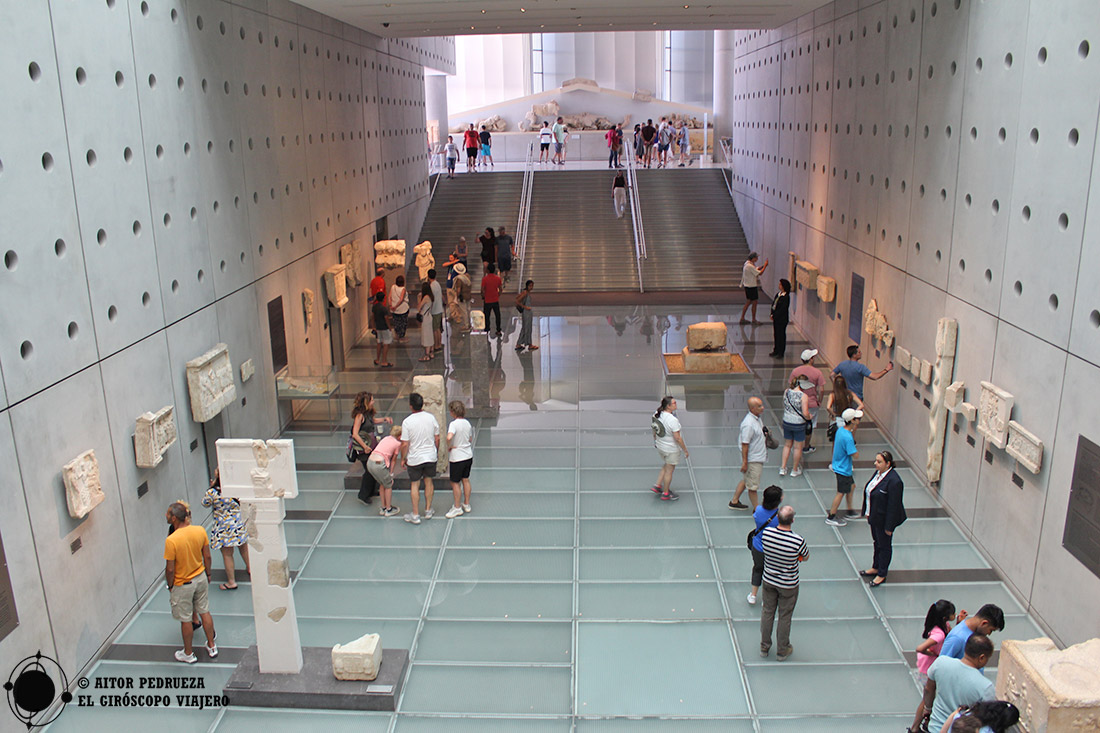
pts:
pixel 994 412
pixel 83 490
pixel 336 286
pixel 153 434
pixel 210 383
pixel 307 306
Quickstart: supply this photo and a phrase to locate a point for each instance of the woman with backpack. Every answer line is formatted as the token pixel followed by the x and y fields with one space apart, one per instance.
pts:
pixel 669 444
pixel 764 516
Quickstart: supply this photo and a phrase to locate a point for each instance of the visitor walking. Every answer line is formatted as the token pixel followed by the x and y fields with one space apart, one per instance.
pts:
pixel 649 139
pixel 618 194
pixel 639 147
pixel 419 453
pixel 685 144
pixel 187 573
pixel 614 144
pixel 471 142
pixel 815 395
pixel 424 317
pixel 754 452
pixel 399 308
pixel 450 150
pixel 506 252
pixel 783 551
pixel 382 330
pixel 765 515
pixel 490 295
pixel 523 305
pixel 781 316
pixel 669 444
pixel 460 439
pixel 546 136
pixel 228 530
pixel 559 142
pixel 885 512
pixel 750 281
pixel 664 141
pixel 796 412
pixel 437 312
pixel 486 141
pixel 488 246
pixel 844 452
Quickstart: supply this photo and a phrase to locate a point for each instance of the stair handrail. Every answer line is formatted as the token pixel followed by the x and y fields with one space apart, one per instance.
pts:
pixel 726 144
pixel 636 215
pixel 525 209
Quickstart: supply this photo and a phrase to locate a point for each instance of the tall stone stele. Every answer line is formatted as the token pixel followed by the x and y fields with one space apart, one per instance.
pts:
pixel 433 389
pixel 262 474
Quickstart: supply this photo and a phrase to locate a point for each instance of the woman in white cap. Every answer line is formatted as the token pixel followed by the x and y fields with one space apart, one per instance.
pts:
pixel 796 411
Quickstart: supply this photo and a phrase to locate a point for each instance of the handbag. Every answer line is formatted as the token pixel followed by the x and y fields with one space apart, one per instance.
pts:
pixel 758 530
pixel 352 452
pixel 830 432
pixel 769 441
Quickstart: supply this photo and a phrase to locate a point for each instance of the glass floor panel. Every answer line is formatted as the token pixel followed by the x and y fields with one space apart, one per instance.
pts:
pixel 548 606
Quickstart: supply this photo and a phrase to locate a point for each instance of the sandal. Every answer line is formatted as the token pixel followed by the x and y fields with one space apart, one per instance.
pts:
pixel 425 358
pixel 376 362
pixel 386 366
pixel 533 347
pixel 223 586
pixel 877 582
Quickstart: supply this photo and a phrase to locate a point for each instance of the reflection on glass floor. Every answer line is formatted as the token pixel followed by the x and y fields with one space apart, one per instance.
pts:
pixel 571 598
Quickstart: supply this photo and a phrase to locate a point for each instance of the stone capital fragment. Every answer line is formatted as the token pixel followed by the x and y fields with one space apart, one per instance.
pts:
pixel 358 660
pixel 708 336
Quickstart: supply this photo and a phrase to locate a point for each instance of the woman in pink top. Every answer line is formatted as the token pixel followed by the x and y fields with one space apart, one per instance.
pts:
pixel 380 465
pixel 937 622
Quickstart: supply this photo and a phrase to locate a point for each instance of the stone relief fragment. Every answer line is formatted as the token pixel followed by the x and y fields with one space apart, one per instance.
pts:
pixel 247 370
pixel 434 391
pixel 83 491
pixel 210 383
pixel 1054 689
pixel 349 256
pixel 869 316
pixel 153 434
pixel 826 288
pixel 953 396
pixel 926 372
pixel 1025 447
pixel 390 253
pixel 307 306
pixel 994 411
pixel 257 469
pixel 806 274
pixel 336 286
pixel 903 359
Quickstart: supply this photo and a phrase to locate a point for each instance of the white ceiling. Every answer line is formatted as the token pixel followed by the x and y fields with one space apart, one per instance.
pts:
pixel 411 18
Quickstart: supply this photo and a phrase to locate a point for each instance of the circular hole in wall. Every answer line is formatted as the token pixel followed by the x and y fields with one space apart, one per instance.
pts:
pixel 967 199
pixel 242 258
pixel 261 250
pixel 1052 301
pixel 1083 49
pixel 127 154
pixel 167 220
pixel 996 206
pixel 73 330
pixel 1001 134
pixel 917 246
pixel 973 133
pixel 179 83
pixel 175 286
pixel 1074 136
pixel 11 259
pixel 137 228
pixel 198 22
pixel 934 8
pixel 962 265
pixel 978 64
pixel 47 162
pixel 152 81
pixel 35 71
pixel 119 79
pixel 1034 136
pixel 112 314
pixel 1008 60
pixel 91 158
pixel 221 265
pixel 101 237
pixel 146 299
pixel 1094 319
pixel 1018 288
pixel 1043 55
pixel 1026 213
pixel 26 350
pixel 1063 221
pixel 81 75
pixel 59 248
pixel 943 194
pixel 939 255
pixel 159 151
pixel 174 15
pixel 988 276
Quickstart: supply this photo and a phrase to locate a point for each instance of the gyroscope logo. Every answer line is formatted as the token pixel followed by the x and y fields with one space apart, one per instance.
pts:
pixel 32 690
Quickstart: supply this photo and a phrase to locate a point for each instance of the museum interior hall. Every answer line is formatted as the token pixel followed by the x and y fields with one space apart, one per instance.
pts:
pixel 213 193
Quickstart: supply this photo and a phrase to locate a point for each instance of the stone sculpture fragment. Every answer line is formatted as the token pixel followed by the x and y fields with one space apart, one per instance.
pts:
pixel 994 412
pixel 153 434
pixel 1025 447
pixel 210 383
pixel 83 490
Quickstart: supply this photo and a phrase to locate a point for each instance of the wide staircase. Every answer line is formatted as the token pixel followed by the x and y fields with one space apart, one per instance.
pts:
pixel 694 239
pixel 575 243
pixel 463 207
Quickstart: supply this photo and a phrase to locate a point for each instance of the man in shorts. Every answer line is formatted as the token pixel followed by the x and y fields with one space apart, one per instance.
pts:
pixel 844 452
pixel 471 142
pixel 559 141
pixel 664 142
pixel 381 315
pixel 750 280
pixel 419 453
pixel 754 452
pixel 684 139
pixel 649 137
pixel 187 573
pixel 815 394
pixel 506 250
pixel 546 136
pixel 486 141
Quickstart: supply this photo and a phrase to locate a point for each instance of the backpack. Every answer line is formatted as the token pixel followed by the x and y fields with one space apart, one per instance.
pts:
pixel 658 427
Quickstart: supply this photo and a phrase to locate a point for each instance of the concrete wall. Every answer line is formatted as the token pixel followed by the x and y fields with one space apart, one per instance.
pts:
pixel 945 152
pixel 166 169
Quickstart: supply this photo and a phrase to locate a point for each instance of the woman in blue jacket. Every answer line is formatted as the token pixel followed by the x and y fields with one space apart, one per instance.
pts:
pixel 765 516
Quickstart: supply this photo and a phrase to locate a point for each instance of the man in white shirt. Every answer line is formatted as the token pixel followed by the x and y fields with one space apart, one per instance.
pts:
pixel 750 280
pixel 546 136
pixel 419 452
pixel 754 452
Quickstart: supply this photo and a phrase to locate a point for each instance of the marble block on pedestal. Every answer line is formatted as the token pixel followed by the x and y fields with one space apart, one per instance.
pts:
pixel 210 383
pixel 1056 691
pixel 359 659
pixel 994 412
pixel 826 288
pixel 706 336
pixel 706 361
pixel 154 433
pixel 83 491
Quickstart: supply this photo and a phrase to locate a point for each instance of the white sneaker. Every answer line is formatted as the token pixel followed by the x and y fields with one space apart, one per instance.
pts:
pixel 455 511
pixel 783 471
pixel 212 650
pixel 412 518
pixel 466 508
pixel 429 513
pixel 182 656
pixel 796 472
pixel 752 599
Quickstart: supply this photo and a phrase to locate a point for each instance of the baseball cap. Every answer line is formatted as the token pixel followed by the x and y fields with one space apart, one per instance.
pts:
pixel 851 414
pixel 809 354
pixel 805 383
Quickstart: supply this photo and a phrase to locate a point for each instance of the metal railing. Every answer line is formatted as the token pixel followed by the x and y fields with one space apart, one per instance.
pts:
pixel 727 162
pixel 636 214
pixel 525 210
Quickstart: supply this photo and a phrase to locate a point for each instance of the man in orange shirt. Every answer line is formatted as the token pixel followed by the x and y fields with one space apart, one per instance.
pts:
pixel 187 572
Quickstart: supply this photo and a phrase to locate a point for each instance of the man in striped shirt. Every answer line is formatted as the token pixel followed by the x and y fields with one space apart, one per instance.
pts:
pixel 783 551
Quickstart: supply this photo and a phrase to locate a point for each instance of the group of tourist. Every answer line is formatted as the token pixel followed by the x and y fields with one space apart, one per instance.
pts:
pixel 479 150
pixel 661 137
